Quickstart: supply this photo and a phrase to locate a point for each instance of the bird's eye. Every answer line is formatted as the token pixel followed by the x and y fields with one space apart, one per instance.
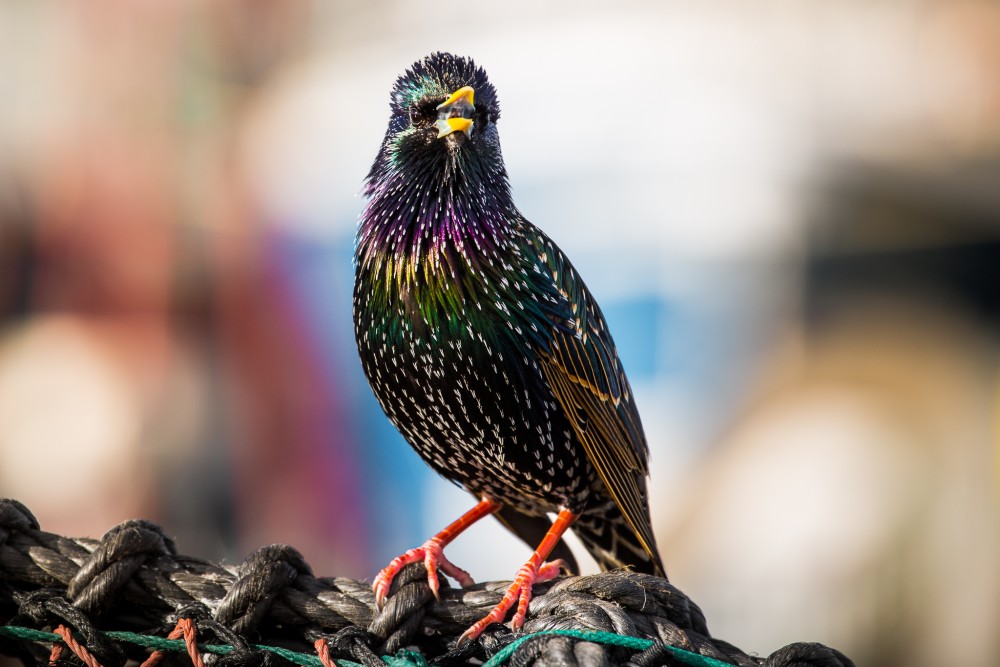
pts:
pixel 423 113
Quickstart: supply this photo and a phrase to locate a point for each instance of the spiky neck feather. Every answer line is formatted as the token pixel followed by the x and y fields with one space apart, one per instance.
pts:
pixel 429 195
pixel 432 231
pixel 440 239
pixel 419 210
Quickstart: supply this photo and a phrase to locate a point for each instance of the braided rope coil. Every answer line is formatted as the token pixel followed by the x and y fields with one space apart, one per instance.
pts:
pixel 134 579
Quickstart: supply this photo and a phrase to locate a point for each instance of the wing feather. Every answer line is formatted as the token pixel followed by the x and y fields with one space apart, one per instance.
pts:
pixel 582 367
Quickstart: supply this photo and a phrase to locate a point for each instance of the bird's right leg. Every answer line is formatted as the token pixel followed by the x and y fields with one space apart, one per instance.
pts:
pixel 432 554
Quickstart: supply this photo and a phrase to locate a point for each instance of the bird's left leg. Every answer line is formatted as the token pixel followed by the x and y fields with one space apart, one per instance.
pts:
pixel 536 570
pixel 431 553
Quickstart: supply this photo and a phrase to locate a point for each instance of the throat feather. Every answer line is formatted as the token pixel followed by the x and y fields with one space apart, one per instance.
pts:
pixel 427 255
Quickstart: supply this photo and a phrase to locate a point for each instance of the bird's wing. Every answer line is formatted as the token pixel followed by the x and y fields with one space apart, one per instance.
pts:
pixel 584 372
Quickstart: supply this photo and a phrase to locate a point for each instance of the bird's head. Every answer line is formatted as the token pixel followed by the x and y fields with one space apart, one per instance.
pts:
pixel 442 128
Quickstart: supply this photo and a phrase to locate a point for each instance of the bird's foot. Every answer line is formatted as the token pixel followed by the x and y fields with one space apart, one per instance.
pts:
pixel 531 573
pixel 431 553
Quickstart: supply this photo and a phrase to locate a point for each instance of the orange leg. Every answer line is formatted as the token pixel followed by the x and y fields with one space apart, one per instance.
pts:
pixel 536 570
pixel 432 554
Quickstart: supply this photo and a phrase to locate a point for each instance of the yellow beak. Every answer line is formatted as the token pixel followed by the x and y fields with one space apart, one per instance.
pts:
pixel 455 113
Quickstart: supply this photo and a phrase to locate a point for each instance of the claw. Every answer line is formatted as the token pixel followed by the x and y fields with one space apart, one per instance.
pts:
pixel 431 553
pixel 534 571
pixel 463 578
pixel 520 592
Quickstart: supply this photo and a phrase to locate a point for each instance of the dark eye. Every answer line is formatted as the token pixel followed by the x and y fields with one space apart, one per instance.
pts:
pixel 415 118
pixel 423 113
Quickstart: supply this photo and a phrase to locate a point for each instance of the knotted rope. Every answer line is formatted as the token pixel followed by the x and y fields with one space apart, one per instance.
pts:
pixel 134 580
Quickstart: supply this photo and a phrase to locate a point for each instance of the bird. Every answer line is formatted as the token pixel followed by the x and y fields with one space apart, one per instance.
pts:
pixel 486 350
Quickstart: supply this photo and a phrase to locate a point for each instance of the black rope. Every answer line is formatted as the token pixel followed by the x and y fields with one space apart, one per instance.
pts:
pixel 133 579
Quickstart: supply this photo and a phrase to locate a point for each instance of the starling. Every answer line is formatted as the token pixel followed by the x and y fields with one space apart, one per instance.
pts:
pixel 484 347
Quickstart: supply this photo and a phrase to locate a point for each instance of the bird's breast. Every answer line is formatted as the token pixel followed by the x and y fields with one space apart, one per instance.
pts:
pixel 453 369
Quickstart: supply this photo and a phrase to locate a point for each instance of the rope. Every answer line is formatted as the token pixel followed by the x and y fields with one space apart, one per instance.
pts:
pixel 134 581
pixel 186 629
pixel 78 649
pixel 635 643
pixel 162 646
pixel 402 659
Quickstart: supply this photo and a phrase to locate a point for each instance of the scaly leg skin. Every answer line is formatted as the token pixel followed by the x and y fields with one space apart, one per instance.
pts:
pixel 536 570
pixel 432 555
pixel 531 573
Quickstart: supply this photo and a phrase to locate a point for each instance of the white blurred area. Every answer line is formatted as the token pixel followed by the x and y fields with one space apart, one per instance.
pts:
pixel 827 477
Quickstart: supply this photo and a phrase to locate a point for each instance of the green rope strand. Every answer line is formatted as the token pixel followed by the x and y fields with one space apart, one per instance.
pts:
pixel 402 659
pixel 405 658
pixel 153 642
pixel 610 638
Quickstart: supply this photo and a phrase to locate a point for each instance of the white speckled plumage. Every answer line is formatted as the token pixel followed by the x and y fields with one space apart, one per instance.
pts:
pixel 480 341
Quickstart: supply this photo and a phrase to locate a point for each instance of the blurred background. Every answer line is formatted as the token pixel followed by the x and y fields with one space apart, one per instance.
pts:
pixel 790 213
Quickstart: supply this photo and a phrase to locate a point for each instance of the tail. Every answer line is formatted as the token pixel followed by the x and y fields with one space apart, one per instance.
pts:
pixel 612 542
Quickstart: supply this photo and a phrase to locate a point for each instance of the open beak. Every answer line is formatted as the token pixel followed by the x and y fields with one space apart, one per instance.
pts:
pixel 455 113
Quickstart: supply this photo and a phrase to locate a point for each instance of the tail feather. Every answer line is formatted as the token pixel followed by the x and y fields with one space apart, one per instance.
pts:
pixel 603 531
pixel 613 544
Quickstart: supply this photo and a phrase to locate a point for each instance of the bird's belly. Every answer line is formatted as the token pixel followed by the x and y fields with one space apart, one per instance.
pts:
pixel 482 417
